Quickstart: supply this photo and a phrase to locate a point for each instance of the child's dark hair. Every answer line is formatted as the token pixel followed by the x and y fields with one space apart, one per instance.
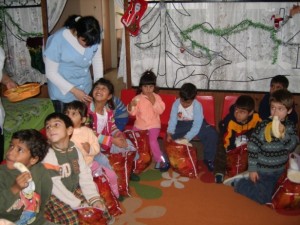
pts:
pixel 188 91
pixel 281 79
pixel 147 78
pixel 111 90
pixel 35 142
pixel 245 102
pixel 284 97
pixel 76 105
pixel 56 115
pixel 86 27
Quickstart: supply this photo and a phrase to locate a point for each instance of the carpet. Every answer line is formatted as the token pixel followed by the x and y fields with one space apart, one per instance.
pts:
pixel 170 199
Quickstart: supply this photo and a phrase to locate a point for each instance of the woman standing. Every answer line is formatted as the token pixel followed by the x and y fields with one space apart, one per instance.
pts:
pixel 68 55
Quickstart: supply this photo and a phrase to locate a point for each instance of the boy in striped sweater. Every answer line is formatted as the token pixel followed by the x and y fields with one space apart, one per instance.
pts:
pixel 267 154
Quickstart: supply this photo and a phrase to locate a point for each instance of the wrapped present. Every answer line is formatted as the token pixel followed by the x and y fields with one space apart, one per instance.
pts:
pixel 183 158
pixel 140 140
pixel 237 160
pixel 111 201
pixel 286 195
pixel 90 216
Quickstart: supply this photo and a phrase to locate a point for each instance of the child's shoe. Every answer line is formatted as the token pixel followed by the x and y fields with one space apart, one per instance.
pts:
pixel 210 165
pixel 231 181
pixel 164 166
pixel 134 177
pixel 219 178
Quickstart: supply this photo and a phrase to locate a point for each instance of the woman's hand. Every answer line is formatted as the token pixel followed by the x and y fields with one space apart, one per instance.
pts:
pixel 81 95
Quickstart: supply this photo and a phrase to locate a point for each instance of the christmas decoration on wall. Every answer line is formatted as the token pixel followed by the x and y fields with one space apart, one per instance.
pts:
pixel 132 16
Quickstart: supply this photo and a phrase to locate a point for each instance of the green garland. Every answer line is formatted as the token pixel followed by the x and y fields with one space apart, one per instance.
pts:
pixel 21 32
pixel 244 25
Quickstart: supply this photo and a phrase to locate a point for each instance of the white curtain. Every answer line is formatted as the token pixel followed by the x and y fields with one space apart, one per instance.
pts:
pixel 18 61
pixel 229 45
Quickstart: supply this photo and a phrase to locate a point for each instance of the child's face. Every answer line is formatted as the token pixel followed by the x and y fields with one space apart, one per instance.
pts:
pixel 19 152
pixel 148 89
pixel 186 103
pixel 56 131
pixel 101 93
pixel 278 109
pixel 75 117
pixel 275 86
pixel 241 115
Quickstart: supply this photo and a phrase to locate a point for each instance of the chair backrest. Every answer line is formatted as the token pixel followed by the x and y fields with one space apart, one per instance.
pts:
pixel 127 95
pixel 208 105
pixel 229 100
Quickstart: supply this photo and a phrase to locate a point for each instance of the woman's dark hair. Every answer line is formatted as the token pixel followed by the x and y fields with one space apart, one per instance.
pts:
pixel 35 142
pixel 76 105
pixel 111 90
pixel 86 27
pixel 188 91
pixel 56 115
pixel 147 78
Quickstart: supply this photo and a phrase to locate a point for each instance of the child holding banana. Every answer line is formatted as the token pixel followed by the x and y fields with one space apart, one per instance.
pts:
pixel 268 151
pixel 25 184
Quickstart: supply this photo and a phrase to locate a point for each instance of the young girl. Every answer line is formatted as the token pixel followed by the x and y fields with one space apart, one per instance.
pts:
pixel 87 142
pixel 147 107
pixel 102 121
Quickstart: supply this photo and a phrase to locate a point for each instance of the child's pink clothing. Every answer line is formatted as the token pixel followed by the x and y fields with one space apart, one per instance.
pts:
pixel 86 134
pixel 147 115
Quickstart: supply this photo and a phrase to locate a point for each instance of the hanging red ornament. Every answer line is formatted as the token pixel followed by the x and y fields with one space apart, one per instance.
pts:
pixel 182 49
pixel 132 16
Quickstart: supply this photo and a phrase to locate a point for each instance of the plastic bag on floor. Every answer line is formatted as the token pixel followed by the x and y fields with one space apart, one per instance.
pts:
pixel 237 160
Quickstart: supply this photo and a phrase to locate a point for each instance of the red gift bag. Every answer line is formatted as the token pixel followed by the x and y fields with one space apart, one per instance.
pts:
pixel 140 140
pixel 286 195
pixel 237 160
pixel 91 216
pixel 122 164
pixel 111 202
pixel 183 159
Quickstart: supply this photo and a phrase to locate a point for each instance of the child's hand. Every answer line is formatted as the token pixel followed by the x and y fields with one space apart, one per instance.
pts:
pixel 99 205
pixel 86 146
pixel 169 137
pixel 254 176
pixel 151 98
pixel 21 182
pixel 133 103
pixel 120 142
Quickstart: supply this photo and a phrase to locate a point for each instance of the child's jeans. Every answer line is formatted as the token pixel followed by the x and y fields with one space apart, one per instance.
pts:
pixel 207 135
pixel 262 190
pixel 154 145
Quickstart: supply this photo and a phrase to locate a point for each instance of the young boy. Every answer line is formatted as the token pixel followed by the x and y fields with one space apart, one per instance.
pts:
pixel 73 184
pixel 23 195
pixel 235 130
pixel 268 155
pixel 277 82
pixel 187 121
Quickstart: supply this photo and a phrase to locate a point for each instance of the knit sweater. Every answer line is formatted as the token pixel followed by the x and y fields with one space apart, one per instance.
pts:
pixel 43 187
pixel 271 156
pixel 69 171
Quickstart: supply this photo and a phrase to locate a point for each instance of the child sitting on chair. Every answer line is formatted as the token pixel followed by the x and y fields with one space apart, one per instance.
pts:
pixel 73 185
pixel 235 130
pixel 187 121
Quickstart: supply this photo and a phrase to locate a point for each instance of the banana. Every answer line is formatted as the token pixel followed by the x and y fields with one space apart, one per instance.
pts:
pixel 21 167
pixel 275 127
pixel 268 132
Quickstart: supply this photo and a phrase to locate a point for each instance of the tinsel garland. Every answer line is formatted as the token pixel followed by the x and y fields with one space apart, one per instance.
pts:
pixel 21 32
pixel 242 26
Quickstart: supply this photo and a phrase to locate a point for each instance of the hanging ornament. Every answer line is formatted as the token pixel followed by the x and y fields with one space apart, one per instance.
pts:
pixel 182 49
pixel 132 16
pixel 277 19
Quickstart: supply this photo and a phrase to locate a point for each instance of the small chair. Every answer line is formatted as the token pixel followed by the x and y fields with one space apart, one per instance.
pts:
pixel 168 99
pixel 229 100
pixel 208 105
